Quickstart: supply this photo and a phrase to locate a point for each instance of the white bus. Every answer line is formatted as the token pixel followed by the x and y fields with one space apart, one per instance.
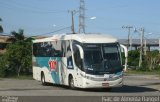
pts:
pixel 78 60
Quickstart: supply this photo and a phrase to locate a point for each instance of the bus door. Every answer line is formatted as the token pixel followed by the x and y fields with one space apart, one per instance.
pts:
pixel 78 62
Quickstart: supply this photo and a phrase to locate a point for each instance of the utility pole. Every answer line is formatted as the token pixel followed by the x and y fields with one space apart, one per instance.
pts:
pixel 141 48
pixel 131 42
pixel 72 14
pixel 129 32
pixel 145 47
pixel 82 17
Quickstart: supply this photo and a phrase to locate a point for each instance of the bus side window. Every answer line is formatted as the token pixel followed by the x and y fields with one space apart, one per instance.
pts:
pixel 36 49
pixel 69 63
pixel 56 49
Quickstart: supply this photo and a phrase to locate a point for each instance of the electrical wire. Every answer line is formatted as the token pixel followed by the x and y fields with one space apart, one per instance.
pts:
pixel 28 8
pixel 53 31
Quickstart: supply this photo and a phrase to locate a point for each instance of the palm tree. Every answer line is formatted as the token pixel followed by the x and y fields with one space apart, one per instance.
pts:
pixel 19 37
pixel 1 28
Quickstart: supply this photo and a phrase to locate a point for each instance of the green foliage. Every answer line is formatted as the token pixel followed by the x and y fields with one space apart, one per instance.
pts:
pixel 1 28
pixel 151 60
pixel 17 36
pixel 18 56
pixel 2 66
pixel 133 58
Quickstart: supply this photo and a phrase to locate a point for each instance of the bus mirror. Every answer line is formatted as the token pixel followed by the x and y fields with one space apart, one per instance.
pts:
pixel 81 51
pixel 124 48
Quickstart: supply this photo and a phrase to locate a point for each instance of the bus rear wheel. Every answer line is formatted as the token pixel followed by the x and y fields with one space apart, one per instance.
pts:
pixel 43 79
pixel 71 82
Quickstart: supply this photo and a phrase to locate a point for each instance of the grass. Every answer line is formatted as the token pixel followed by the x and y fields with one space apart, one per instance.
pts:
pixel 154 72
pixel 22 77
pixel 142 72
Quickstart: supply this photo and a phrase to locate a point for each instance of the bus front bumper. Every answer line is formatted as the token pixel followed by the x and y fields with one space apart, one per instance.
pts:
pixel 102 84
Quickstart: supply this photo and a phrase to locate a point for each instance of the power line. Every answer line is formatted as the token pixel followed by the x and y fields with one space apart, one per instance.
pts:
pixel 22 3
pixel 54 31
pixel 29 9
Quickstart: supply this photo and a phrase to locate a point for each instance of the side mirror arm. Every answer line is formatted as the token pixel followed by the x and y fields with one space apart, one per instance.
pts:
pixel 126 56
pixel 81 51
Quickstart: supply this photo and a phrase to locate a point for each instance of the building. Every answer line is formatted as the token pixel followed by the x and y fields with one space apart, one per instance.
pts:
pixel 135 44
pixel 3 43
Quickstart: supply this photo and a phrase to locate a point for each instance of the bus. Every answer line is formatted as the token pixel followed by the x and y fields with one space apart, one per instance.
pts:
pixel 78 60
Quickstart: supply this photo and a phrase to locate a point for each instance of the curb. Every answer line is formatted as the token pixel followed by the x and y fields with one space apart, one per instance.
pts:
pixel 144 76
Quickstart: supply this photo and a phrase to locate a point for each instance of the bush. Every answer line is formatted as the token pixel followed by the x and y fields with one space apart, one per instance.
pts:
pixel 3 67
pixel 19 57
pixel 133 58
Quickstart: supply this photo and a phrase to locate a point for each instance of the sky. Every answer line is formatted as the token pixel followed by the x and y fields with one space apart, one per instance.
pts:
pixel 40 17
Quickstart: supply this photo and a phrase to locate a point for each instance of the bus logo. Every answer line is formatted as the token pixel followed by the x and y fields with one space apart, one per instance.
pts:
pixel 52 65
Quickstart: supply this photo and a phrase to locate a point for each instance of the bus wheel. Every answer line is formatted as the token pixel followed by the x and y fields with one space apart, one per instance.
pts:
pixel 71 82
pixel 43 79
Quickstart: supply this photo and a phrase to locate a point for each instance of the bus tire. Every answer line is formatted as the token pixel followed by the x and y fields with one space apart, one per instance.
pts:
pixel 71 82
pixel 43 79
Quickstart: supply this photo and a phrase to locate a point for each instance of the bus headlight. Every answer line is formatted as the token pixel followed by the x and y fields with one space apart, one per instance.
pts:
pixel 87 77
pixel 111 78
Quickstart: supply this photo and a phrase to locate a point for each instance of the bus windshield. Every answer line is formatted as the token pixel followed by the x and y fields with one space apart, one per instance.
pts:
pixel 102 58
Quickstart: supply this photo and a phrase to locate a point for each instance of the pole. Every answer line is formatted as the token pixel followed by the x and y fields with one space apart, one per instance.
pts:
pixel 145 47
pixel 72 14
pixel 128 38
pixel 73 31
pixel 129 31
pixel 82 17
pixel 141 48
pixel 130 43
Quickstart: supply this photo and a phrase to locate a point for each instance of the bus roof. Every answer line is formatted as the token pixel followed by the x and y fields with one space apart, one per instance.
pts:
pixel 83 38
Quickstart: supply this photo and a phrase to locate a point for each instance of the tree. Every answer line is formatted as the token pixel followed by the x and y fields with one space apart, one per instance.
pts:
pixel 19 53
pixel 152 60
pixel 19 57
pixel 17 36
pixel 1 28
pixel 133 58
pixel 2 66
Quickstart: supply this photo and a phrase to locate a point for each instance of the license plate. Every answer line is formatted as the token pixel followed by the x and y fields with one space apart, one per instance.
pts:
pixel 105 84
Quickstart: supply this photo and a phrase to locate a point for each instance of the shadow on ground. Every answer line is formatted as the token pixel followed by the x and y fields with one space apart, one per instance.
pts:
pixel 123 89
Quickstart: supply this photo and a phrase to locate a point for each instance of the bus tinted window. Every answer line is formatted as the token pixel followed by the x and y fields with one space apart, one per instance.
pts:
pixel 42 50
pixel 46 49
pixel 52 49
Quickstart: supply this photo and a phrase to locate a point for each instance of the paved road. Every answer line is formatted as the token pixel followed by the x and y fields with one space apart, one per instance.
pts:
pixel 133 86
